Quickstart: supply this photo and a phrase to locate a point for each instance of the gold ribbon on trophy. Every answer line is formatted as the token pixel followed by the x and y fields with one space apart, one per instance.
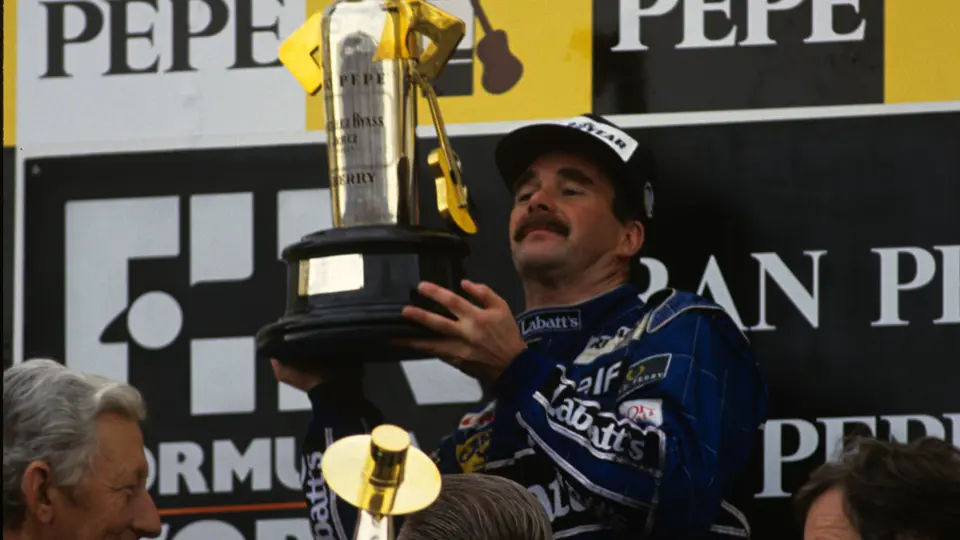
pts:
pixel 383 476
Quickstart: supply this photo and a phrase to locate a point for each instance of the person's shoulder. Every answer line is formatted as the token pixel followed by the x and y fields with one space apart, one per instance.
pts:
pixel 672 308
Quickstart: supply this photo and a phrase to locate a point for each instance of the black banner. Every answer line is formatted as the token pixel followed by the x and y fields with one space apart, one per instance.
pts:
pixel 669 56
pixel 836 244
pixel 9 219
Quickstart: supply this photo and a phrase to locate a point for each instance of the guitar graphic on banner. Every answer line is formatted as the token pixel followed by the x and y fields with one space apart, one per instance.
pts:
pixel 501 68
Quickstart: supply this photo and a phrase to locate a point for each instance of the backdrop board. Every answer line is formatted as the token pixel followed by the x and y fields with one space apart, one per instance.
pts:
pixel 835 243
pixel 9 185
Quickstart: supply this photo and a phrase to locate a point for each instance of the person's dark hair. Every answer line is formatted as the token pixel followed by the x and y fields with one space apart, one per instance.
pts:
pixel 624 210
pixel 891 490
pixel 478 506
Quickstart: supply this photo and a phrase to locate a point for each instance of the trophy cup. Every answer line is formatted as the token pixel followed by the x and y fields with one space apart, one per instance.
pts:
pixel 383 476
pixel 347 286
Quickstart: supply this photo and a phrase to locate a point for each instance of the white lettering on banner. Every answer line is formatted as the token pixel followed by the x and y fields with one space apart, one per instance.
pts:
pixel 713 279
pixel 694 28
pixel 770 265
pixel 807 302
pixel 230 464
pixel 632 13
pixel 758 19
pixel 183 460
pixel 926 268
pixel 810 440
pixel 823 31
pixel 266 529
pixel 199 63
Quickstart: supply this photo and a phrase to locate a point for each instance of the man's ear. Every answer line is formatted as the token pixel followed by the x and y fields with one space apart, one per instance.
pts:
pixel 632 239
pixel 37 486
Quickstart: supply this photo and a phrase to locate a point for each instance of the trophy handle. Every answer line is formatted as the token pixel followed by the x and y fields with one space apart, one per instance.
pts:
pixel 407 18
pixel 452 201
pixel 297 54
pixel 445 32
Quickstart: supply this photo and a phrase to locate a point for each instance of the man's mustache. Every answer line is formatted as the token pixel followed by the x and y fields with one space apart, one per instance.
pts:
pixel 541 221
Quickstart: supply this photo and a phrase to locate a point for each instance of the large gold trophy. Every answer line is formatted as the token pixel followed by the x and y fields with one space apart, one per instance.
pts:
pixel 383 476
pixel 346 286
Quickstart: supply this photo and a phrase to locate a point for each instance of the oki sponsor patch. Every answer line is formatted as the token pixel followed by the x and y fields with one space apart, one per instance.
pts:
pixel 549 321
pixel 643 411
pixel 644 372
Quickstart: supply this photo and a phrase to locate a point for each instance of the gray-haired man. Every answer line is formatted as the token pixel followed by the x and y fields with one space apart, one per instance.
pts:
pixel 479 507
pixel 73 461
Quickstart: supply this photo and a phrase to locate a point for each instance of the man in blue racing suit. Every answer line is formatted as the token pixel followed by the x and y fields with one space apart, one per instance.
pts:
pixel 626 418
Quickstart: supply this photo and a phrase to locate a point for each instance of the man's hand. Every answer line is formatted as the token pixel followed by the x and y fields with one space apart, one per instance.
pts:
pixel 297 378
pixel 481 342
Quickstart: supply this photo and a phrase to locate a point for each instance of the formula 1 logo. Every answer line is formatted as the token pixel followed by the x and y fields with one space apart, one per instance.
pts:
pixel 110 302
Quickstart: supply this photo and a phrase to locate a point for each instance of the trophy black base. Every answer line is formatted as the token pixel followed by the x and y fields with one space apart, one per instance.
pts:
pixel 347 287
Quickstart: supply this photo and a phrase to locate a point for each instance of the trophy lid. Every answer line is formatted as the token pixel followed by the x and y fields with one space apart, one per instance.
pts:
pixel 381 473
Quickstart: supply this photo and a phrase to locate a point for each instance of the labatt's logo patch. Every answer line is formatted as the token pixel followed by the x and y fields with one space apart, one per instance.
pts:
pixel 550 321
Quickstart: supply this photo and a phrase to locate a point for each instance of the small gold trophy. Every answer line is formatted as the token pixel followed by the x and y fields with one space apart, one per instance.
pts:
pixel 346 286
pixel 383 476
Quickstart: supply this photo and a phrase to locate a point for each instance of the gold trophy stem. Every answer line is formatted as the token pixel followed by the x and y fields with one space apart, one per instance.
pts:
pixel 383 476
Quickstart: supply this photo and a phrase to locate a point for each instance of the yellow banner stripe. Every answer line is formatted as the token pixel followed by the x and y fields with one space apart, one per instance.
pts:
pixel 922 50
pixel 9 72
pixel 557 60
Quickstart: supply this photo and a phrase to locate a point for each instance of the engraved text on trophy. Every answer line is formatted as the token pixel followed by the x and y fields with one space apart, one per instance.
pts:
pixel 370 128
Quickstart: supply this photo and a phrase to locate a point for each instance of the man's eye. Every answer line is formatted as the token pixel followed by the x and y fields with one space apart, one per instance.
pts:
pixel 572 192
pixel 523 197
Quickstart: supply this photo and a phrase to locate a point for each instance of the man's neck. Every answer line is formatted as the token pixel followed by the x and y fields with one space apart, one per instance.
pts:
pixel 550 292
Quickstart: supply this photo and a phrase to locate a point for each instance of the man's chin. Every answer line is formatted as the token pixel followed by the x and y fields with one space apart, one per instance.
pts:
pixel 533 261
